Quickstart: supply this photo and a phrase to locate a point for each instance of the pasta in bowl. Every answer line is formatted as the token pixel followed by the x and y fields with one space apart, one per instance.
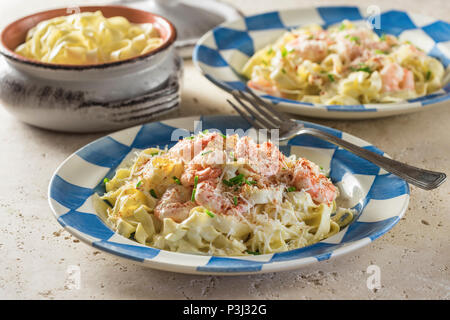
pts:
pixel 220 195
pixel 88 38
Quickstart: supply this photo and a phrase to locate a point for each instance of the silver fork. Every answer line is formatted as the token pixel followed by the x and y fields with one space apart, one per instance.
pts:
pixel 262 115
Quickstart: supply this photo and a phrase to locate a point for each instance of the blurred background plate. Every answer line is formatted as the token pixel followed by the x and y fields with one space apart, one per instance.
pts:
pixel 221 53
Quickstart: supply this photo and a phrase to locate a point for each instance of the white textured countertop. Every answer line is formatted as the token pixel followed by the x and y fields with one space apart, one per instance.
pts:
pixel 37 254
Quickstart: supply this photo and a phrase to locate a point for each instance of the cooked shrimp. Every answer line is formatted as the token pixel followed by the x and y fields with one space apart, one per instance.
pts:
pixel 264 159
pixel 175 204
pixel 396 78
pixel 306 176
pixel 186 149
pixel 210 196
pixel 264 85
pixel 314 50
pixel 206 165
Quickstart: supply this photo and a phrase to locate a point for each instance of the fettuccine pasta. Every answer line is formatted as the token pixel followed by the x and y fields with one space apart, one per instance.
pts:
pixel 88 38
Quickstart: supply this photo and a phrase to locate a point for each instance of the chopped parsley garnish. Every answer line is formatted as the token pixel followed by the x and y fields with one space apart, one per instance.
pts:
pixel 153 194
pixel 177 181
pixel 342 27
pixel 428 75
pixel 227 183
pixel 209 213
pixel 256 253
pixel 238 179
pixel 223 136
pixel 195 189
pixel 154 153
pixel 138 184
pixel 235 200
pixel 105 180
pixel 205 131
pixel 291 189
pixel 380 51
pixel 284 52
pixel 365 69
pixel 354 39
pixel 270 51
pixel 362 68
pixel 250 182
pixel 383 37
pixel 206 152
pixel 330 76
pixel 190 138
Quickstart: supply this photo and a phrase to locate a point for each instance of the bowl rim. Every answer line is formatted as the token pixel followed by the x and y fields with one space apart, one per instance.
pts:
pixel 9 53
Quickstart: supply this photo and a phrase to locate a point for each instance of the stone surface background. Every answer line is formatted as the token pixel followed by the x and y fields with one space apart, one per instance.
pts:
pixel 36 252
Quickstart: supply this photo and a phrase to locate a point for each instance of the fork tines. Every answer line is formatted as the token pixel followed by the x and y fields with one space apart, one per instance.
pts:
pixel 256 111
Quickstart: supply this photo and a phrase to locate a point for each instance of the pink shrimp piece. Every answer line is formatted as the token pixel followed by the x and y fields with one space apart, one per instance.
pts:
pixel 208 197
pixel 323 35
pixel 246 149
pixel 187 149
pixel 396 78
pixel 264 159
pixel 175 204
pixel 265 86
pixel 270 159
pixel 383 46
pixel 408 80
pixel 206 165
pixel 314 50
pixel 415 50
pixel 306 176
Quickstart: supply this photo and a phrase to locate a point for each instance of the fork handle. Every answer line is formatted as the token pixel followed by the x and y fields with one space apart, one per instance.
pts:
pixel 421 178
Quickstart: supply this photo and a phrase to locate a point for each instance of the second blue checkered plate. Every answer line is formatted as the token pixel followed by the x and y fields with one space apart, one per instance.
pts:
pixel 222 52
pixel 379 198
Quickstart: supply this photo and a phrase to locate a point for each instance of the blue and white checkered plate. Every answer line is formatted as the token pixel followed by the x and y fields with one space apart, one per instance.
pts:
pixel 379 198
pixel 221 53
